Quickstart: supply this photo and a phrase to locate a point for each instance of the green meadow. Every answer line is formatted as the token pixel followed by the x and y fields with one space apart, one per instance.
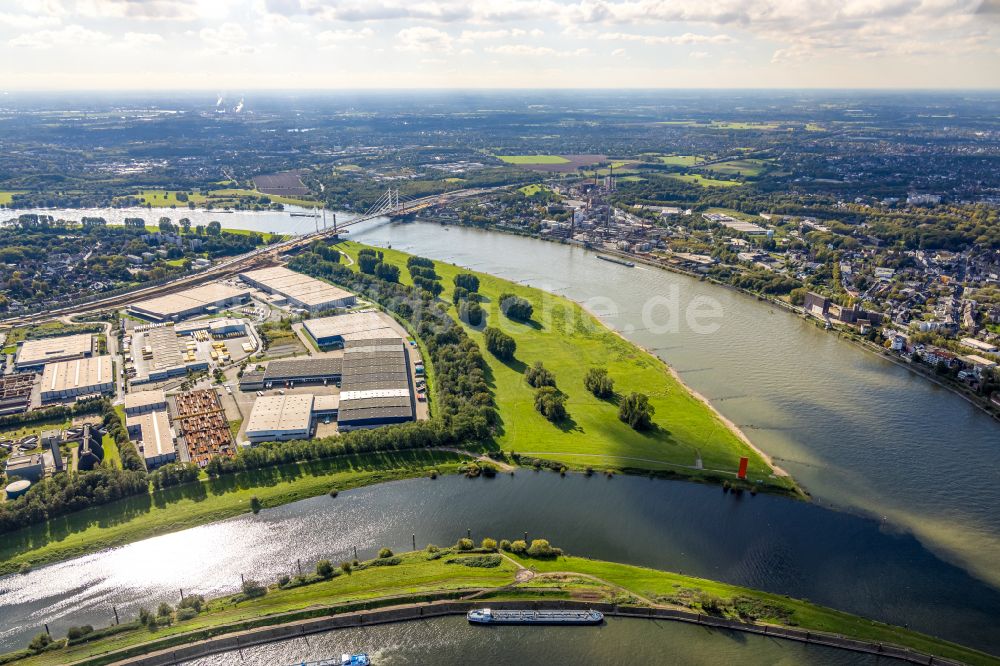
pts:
pixel 569 341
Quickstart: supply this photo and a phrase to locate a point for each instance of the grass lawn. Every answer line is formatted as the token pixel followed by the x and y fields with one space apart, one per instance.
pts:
pixel 680 160
pixel 570 341
pixel 533 159
pixel 219 198
pixel 195 504
pixel 413 574
pixel 112 456
pixel 7 197
pixel 751 168
pixel 698 179
pixel 631 179
pixel 532 190
pixel 35 429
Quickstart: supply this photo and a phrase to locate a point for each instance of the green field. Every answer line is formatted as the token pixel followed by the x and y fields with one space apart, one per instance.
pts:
pixel 698 179
pixel 226 197
pixel 195 504
pixel 6 198
pixel 532 190
pixel 409 577
pixel 681 160
pixel 533 159
pixel 569 341
pixel 750 168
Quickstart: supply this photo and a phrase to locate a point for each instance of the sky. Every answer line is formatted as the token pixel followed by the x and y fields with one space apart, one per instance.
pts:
pixel 234 45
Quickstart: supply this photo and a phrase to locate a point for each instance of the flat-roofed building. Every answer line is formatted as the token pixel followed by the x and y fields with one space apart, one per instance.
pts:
pixel 336 330
pixel 157 355
pixel 299 290
pixel 153 437
pixel 199 300
pixel 375 387
pixel 36 353
pixel 277 418
pixel 84 376
pixel 315 370
pixel 138 402
pixel 30 467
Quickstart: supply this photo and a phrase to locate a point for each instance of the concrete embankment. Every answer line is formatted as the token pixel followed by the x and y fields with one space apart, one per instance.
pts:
pixel 408 612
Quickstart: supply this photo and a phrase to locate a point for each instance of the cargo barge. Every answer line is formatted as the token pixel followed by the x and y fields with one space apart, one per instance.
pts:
pixel 615 260
pixel 488 616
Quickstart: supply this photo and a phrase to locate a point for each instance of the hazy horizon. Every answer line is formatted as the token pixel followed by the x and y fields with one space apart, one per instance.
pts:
pixel 238 45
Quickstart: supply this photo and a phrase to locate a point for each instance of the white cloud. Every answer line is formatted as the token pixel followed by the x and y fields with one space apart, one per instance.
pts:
pixel 227 39
pixel 685 39
pixel 141 10
pixel 504 33
pixel 699 55
pixel 333 38
pixel 423 39
pixel 27 21
pixel 71 35
pixel 534 51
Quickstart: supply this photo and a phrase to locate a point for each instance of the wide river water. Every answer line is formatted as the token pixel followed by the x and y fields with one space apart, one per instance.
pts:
pixel 452 641
pixel 901 457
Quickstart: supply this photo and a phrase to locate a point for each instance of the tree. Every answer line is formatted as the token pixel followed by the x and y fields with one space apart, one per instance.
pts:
pixel 538 376
pixel 185 225
pixel 542 548
pixel 499 343
pixel 367 263
pixel 464 544
pixel 636 411
pixel 165 225
pixel 599 383
pixel 384 553
pixel 324 569
pixel 489 544
pixel 214 228
pixel 40 642
pixel 551 403
pixel 466 281
pixel 471 313
pixel 387 272
pixel 255 504
pixel 515 307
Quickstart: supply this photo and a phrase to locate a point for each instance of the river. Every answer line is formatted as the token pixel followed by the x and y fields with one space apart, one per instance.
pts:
pixel 447 641
pixel 767 542
pixel 859 432
pixel 897 454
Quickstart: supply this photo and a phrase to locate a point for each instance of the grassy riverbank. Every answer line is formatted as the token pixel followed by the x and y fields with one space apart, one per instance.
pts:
pixel 690 439
pixel 417 576
pixel 193 504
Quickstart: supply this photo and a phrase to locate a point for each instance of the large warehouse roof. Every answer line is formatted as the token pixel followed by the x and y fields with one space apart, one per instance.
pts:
pixel 376 383
pixel 300 289
pixel 78 376
pixel 276 413
pixel 189 302
pixel 353 325
pixel 157 440
pixel 304 369
pixel 47 350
